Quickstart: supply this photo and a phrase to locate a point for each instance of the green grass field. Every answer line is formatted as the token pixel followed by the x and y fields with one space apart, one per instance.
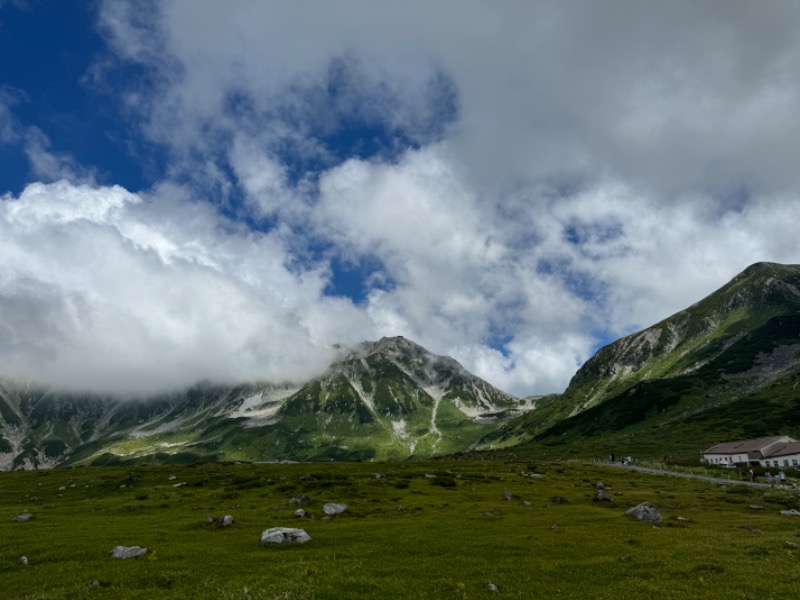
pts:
pixel 406 535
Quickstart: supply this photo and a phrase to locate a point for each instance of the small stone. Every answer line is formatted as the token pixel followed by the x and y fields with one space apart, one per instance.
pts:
pixel 599 485
pixel 22 518
pixel 379 475
pixel 488 515
pixel 682 519
pixel 24 560
pixel 127 551
pixel 61 488
pixel 429 476
pixel 625 558
pixel 334 508
pixel 173 477
pixel 284 535
pixel 400 507
pixel 560 500
pixel 791 545
pixel 299 513
pixel 525 503
pixel 95 584
pixel 506 495
pixel 301 500
pixel 178 485
pixel 791 513
pixel 602 496
pixel 756 507
pixel 555 527
pixel 226 521
pixel 493 588
pixel 209 521
pixel 306 478
pixel 536 475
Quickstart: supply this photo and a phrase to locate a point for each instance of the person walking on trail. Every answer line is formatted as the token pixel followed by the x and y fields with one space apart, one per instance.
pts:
pixel 768 476
pixel 782 477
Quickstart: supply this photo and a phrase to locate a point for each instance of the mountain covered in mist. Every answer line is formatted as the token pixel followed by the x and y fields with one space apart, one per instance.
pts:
pixel 727 367
pixel 389 399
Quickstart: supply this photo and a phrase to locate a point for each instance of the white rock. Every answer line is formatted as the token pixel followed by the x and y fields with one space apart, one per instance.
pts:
pixel 24 560
pixel 127 551
pixel 332 508
pixel 173 477
pixel 299 513
pixel 227 521
pixel 644 512
pixel 22 518
pixel 284 535
pixel 791 512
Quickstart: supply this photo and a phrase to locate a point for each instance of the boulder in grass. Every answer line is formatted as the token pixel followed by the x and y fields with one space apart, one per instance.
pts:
pixel 602 496
pixel 128 551
pixel 22 518
pixel 301 500
pixel 644 512
pixel 226 521
pixel 333 508
pixel 284 535
pixel 791 513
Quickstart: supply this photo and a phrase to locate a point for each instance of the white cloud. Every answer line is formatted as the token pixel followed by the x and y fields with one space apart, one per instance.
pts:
pixel 105 289
pixel 561 173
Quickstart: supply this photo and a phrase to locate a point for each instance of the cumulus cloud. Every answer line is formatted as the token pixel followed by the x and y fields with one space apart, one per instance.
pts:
pixel 525 180
pixel 105 289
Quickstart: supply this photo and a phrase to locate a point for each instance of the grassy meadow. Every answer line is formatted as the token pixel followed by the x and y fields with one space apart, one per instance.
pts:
pixel 406 534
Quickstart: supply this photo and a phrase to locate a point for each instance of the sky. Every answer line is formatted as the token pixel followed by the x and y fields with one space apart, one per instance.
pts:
pixel 230 191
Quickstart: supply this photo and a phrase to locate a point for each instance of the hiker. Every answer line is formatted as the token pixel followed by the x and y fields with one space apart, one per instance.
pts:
pixel 612 457
pixel 782 477
pixel 768 476
pixel 752 474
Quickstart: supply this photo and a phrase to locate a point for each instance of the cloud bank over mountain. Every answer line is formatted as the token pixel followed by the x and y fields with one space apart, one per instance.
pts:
pixel 509 184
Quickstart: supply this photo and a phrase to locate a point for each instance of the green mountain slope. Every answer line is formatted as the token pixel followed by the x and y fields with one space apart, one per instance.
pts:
pixel 726 367
pixel 389 399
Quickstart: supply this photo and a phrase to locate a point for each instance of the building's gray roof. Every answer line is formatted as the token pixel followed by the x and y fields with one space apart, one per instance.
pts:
pixel 748 446
pixel 784 450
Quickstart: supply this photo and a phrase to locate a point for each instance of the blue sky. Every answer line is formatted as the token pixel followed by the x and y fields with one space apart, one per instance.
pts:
pixel 196 190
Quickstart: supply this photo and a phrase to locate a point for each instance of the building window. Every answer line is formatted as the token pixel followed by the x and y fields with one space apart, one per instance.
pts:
pixel 794 462
pixel 785 462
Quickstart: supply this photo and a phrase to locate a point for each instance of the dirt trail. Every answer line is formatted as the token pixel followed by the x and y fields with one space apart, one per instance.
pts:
pixel 651 471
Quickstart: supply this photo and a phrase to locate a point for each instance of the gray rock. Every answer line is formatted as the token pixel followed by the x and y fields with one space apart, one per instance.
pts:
pixel 306 478
pixel 22 518
pixel 559 500
pixel 488 515
pixel 226 521
pixel 24 559
pixel 493 588
pixel 95 584
pixel 602 496
pixel 791 513
pixel 128 551
pixel 379 475
pixel 756 507
pixel 173 477
pixel 506 495
pixel 555 527
pixel 333 508
pixel 625 558
pixel 299 513
pixel 644 512
pixel 525 503
pixel 284 535
pixel 790 545
pixel 301 500
pixel 599 485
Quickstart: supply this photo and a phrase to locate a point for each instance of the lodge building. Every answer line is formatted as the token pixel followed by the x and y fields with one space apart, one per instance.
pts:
pixel 781 451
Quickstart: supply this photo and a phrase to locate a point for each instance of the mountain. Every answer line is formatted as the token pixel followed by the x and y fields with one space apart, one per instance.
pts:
pixel 727 367
pixel 389 399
